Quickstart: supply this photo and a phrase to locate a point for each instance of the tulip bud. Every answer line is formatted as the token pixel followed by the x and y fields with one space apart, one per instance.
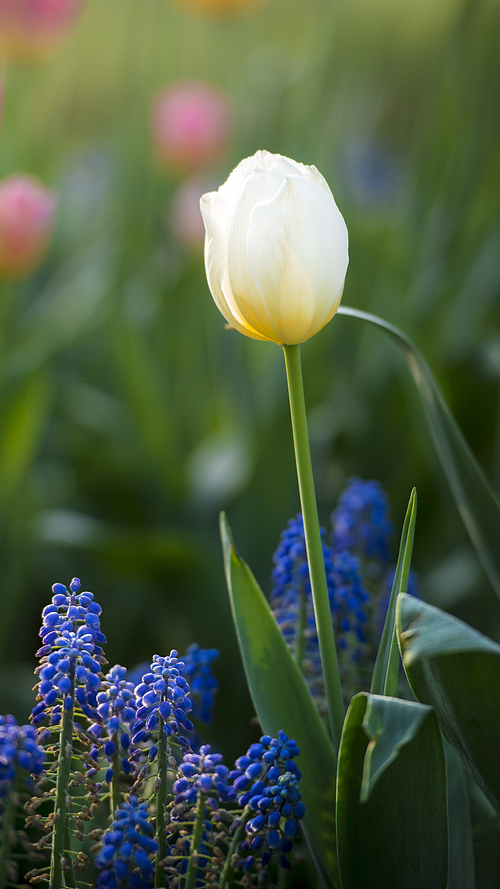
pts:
pixel 27 211
pixel 30 28
pixel 275 249
pixel 191 125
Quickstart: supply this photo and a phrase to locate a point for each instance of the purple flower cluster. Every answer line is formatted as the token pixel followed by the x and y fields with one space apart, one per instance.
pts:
pixel 356 567
pixel 291 602
pixel 267 779
pixel 21 757
pixel 198 672
pixel 163 694
pixel 71 654
pixel 117 708
pixel 203 772
pixel 125 858
pixel 360 522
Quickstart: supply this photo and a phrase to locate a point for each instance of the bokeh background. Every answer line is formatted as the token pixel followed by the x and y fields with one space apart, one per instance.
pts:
pixel 129 417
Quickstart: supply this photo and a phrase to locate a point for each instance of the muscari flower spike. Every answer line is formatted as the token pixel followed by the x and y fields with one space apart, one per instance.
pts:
pixel 267 781
pixel 198 774
pixel 125 858
pixel 204 686
pixel 291 602
pixel 360 523
pixel 71 654
pixel 21 756
pixel 117 708
pixel 163 693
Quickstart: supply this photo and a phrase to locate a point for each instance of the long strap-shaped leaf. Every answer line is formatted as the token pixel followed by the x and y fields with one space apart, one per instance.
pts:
pixel 386 671
pixel 476 502
pixel 282 701
pixel 391 797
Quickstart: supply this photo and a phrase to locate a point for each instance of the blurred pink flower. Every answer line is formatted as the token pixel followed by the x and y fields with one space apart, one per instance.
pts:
pixel 185 217
pixel 27 212
pixel 29 28
pixel 191 124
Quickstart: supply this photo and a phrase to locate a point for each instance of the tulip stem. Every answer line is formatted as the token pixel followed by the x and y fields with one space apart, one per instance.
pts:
pixel 333 690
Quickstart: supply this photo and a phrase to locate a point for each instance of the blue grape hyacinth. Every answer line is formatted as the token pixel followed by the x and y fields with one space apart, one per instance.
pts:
pixel 292 604
pixel 267 780
pixel 360 523
pixel 128 847
pixel 71 655
pixel 22 758
pixel 204 686
pixel 117 710
pixel 165 693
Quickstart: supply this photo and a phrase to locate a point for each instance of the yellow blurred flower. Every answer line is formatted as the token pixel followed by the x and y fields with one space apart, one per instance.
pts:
pixel 220 7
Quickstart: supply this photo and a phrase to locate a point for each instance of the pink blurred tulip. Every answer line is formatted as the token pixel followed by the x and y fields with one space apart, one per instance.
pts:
pixel 185 217
pixel 191 124
pixel 27 212
pixel 29 28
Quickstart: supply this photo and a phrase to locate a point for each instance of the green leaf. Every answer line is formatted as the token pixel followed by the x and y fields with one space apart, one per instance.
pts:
pixel 460 847
pixel 391 797
pixel 476 502
pixel 457 670
pixel 386 671
pixel 282 701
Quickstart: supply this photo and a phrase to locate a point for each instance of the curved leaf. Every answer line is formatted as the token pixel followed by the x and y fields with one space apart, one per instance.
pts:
pixel 475 499
pixel 391 796
pixel 282 701
pixel 457 670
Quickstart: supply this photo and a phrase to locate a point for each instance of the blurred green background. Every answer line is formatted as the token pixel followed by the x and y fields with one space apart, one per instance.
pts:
pixel 130 417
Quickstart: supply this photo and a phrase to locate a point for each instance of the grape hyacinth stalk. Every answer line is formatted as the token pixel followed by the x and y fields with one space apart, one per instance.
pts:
pixel 70 675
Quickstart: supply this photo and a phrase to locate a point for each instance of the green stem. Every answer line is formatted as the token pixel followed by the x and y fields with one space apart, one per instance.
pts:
pixel 8 822
pixel 238 836
pixel 191 873
pixel 314 549
pixel 60 804
pixel 115 795
pixel 161 802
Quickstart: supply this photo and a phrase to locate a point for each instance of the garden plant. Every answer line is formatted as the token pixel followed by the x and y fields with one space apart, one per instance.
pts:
pixel 331 728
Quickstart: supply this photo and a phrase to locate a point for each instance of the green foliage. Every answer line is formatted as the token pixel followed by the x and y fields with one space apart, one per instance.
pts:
pixel 281 696
pixel 391 796
pixel 456 670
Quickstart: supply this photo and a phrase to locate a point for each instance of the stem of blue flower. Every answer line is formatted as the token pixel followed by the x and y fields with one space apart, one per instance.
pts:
pixel 161 802
pixel 115 795
pixel 61 800
pixel 239 834
pixel 8 822
pixel 333 690
pixel 192 871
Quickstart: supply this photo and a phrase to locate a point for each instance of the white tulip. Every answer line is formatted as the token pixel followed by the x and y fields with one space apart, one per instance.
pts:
pixel 275 249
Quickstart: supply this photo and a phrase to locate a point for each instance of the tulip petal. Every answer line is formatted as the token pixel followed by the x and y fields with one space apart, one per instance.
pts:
pixel 297 256
pixel 240 290
pixel 215 264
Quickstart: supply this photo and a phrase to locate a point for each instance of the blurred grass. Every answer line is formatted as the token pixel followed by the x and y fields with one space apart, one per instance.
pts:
pixel 129 416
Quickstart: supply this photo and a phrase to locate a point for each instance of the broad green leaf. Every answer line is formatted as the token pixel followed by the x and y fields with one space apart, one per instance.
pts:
pixel 460 848
pixel 395 834
pixel 456 670
pixel 386 671
pixel 282 701
pixel 477 504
